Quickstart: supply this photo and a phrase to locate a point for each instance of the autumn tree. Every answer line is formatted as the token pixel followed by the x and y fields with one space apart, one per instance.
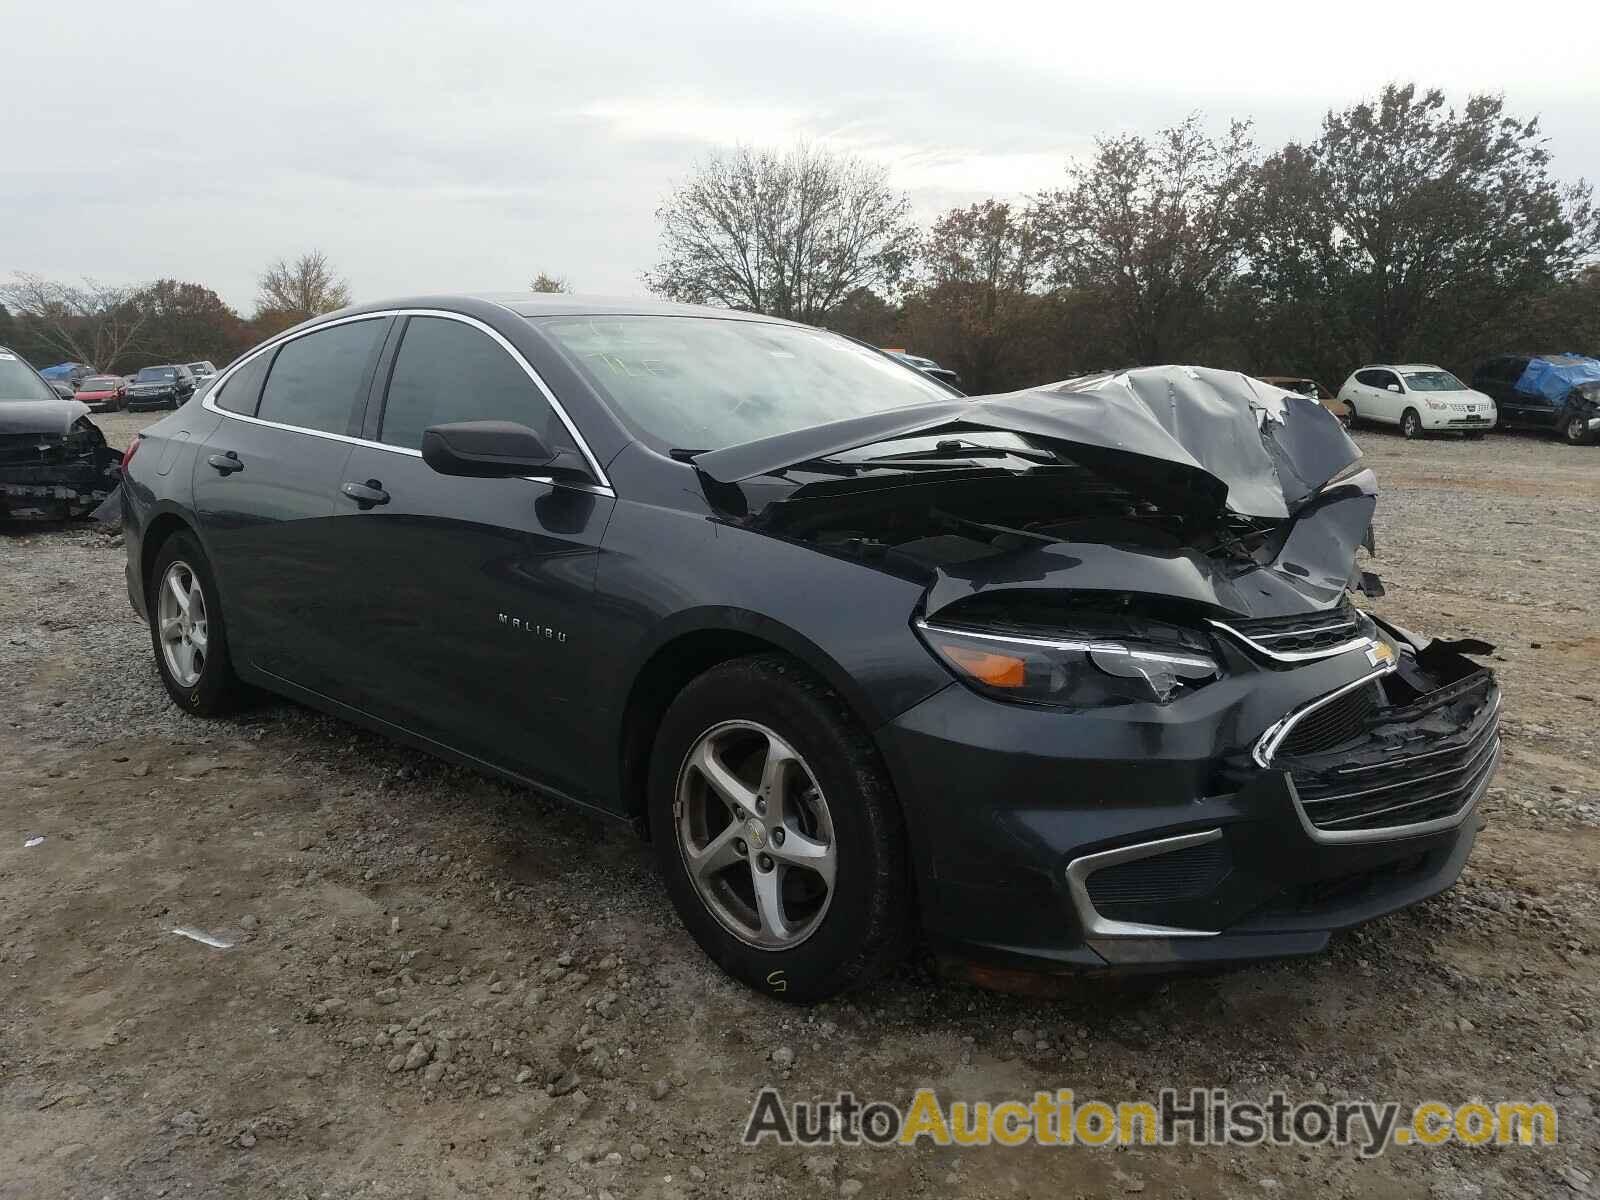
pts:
pixel 297 291
pixel 1412 228
pixel 977 304
pixel 184 322
pixel 1155 228
pixel 787 234
pixel 91 322
pixel 549 283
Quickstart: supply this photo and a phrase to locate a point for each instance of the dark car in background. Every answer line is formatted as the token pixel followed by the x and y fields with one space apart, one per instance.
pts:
pixel 1556 393
pixel 929 368
pixel 103 393
pixel 1069 678
pixel 164 386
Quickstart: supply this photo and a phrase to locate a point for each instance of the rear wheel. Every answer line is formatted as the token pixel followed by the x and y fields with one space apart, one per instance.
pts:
pixel 1410 424
pixel 188 633
pixel 1351 417
pixel 777 832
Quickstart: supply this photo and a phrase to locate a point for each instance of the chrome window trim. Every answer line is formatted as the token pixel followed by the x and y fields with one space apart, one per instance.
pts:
pixel 602 488
pixel 1336 837
pixel 1294 656
pixel 1267 744
pixel 1096 926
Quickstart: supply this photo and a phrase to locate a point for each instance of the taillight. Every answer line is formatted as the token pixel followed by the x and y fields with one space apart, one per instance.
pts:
pixel 133 448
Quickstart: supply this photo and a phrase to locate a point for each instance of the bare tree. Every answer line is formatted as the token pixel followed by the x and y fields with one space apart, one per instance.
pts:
pixel 785 234
pixel 94 323
pixel 1156 228
pixel 302 289
pixel 549 283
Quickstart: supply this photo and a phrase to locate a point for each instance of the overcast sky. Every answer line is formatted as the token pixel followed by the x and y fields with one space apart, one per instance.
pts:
pixel 459 147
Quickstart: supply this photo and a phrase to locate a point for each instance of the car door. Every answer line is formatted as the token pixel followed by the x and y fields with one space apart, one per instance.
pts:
pixel 470 599
pixel 266 484
pixel 1376 402
pixel 1500 379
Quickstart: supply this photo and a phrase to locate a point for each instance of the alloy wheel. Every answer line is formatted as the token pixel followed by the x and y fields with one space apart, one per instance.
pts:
pixel 755 834
pixel 1577 429
pixel 1410 425
pixel 181 620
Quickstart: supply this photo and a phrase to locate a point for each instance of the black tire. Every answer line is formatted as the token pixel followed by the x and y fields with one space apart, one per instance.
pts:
pixel 1410 424
pixel 868 923
pixel 1575 430
pixel 218 690
pixel 1352 418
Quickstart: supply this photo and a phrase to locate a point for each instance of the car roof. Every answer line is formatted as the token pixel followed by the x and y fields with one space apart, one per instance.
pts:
pixel 559 304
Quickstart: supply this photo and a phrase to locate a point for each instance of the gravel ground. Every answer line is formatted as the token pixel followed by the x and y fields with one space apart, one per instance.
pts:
pixel 441 986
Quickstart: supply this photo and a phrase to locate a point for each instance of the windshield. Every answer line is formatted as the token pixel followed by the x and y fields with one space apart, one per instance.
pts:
pixel 1433 381
pixel 156 374
pixel 703 383
pixel 18 382
pixel 202 368
pixel 101 383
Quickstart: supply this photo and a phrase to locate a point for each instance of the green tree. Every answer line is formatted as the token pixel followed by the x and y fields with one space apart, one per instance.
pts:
pixel 549 283
pixel 1155 228
pixel 185 322
pixel 1412 229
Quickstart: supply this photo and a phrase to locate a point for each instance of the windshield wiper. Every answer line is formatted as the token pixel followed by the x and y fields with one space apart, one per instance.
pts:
pixel 946 451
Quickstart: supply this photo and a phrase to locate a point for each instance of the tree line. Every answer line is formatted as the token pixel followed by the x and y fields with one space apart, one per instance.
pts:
pixel 1406 230
pixel 120 329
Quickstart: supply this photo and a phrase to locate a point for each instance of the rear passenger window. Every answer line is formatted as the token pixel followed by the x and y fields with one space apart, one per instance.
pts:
pixel 243 388
pixel 1371 378
pixel 315 379
pixel 448 371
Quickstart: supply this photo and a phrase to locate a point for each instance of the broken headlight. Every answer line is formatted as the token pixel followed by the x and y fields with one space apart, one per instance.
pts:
pixel 1069 671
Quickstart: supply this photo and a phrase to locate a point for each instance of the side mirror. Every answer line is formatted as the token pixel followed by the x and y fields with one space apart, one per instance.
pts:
pixel 493 450
pixel 1393 387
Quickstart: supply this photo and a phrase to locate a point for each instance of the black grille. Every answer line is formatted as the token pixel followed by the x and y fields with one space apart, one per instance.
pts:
pixel 1185 874
pixel 1333 724
pixel 1420 767
pixel 1301 633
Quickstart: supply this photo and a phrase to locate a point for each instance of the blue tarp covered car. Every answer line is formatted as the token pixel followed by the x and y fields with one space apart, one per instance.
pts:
pixel 1555 376
pixel 1557 392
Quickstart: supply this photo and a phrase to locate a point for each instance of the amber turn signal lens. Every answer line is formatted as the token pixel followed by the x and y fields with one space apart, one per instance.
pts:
pixel 996 670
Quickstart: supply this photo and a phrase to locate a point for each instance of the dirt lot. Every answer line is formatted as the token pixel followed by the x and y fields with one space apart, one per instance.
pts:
pixel 439 986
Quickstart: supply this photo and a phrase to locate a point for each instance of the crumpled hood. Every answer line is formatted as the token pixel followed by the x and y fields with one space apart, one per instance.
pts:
pixel 1194 438
pixel 39 416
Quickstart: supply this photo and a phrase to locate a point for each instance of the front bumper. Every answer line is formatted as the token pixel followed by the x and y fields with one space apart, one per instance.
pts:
pixel 1056 841
pixel 144 400
pixel 1451 419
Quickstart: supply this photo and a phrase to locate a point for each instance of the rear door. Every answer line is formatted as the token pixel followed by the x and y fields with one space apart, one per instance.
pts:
pixel 265 487
pixel 1377 402
pixel 470 600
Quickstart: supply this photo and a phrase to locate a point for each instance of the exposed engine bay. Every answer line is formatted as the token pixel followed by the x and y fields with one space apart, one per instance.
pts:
pixel 54 461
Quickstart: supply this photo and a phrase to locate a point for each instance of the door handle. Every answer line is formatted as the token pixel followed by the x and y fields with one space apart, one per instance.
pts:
pixel 366 494
pixel 227 463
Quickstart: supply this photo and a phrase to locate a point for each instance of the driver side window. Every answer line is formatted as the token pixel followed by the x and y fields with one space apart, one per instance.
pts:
pixel 449 371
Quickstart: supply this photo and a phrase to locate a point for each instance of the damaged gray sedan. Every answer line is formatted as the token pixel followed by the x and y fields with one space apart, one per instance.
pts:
pixel 1070 679
pixel 54 461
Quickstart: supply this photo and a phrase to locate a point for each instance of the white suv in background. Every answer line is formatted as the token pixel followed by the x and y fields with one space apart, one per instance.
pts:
pixel 1418 397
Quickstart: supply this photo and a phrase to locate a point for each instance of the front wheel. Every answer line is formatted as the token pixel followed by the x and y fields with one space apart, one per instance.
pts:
pixel 1410 424
pixel 1575 430
pixel 188 633
pixel 777 831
